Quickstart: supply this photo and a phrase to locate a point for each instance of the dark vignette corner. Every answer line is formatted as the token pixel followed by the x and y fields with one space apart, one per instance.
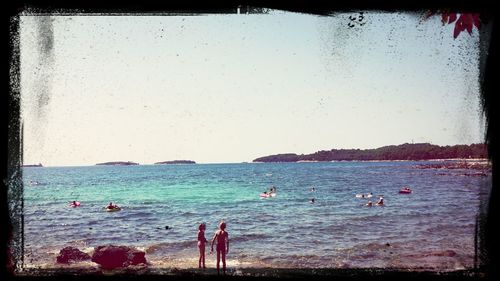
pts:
pixel 12 143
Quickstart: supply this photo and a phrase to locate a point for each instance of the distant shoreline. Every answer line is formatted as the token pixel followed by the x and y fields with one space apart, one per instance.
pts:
pixel 402 152
pixel 33 165
pixel 175 162
pixel 421 160
pixel 117 163
pixel 334 161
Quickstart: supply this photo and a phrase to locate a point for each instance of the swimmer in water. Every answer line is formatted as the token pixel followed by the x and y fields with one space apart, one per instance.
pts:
pixel 380 201
pixel 111 206
pixel 272 190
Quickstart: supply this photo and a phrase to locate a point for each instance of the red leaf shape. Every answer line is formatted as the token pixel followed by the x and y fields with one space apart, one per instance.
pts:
pixel 444 18
pixel 429 14
pixel 470 22
pixel 465 22
pixel 475 19
pixel 452 17
pixel 458 28
pixel 448 17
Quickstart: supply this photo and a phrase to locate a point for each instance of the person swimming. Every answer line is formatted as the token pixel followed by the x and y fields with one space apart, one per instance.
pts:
pixel 272 189
pixel 111 206
pixel 369 204
pixel 380 201
pixel 74 203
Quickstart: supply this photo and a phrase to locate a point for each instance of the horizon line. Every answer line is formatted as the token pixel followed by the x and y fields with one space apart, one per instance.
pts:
pixel 251 161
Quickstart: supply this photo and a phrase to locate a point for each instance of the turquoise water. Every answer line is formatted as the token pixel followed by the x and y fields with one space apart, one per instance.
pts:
pixel 412 230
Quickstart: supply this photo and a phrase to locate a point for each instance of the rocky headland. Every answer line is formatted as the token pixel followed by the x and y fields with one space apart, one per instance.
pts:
pixel 118 163
pixel 175 162
pixel 33 165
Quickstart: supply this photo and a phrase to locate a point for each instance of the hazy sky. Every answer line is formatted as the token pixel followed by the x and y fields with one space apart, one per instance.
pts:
pixel 231 88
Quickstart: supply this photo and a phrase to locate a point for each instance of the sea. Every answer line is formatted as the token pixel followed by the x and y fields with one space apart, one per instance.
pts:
pixel 434 227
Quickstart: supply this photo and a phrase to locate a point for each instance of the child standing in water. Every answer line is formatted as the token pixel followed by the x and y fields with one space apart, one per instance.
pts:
pixel 201 244
pixel 222 238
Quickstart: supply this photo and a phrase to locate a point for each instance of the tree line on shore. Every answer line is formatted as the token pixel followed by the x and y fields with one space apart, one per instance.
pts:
pixel 407 151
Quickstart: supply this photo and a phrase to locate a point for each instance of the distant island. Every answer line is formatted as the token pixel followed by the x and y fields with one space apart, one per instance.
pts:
pixel 34 165
pixel 118 163
pixel 407 151
pixel 176 162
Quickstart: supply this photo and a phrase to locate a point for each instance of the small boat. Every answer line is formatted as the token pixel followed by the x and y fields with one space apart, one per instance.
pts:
pixel 405 190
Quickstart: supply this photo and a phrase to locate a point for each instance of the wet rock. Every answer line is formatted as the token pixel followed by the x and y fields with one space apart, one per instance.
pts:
pixel 110 256
pixel 446 253
pixel 70 254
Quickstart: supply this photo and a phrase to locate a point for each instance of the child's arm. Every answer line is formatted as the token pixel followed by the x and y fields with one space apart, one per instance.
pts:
pixel 212 242
pixel 227 242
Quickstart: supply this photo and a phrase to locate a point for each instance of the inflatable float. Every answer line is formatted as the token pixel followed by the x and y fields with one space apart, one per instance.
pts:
pixel 405 190
pixel 115 209
pixel 267 195
pixel 74 204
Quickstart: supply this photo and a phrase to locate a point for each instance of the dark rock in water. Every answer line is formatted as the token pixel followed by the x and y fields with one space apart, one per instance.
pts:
pixel 110 256
pixel 70 254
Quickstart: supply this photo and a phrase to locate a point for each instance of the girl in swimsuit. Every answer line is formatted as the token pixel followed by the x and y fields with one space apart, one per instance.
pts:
pixel 201 244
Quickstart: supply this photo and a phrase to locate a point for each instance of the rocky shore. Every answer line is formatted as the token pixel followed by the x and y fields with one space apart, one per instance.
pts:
pixel 108 257
pixel 245 273
pixel 124 261
pixel 471 167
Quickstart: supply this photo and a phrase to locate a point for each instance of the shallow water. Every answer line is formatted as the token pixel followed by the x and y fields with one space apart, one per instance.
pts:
pixel 411 230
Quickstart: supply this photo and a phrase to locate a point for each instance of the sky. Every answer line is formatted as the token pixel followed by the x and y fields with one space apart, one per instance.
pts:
pixel 234 87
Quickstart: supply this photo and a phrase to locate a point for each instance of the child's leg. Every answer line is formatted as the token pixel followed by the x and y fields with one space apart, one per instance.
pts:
pixel 224 261
pixel 203 257
pixel 218 260
pixel 199 260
